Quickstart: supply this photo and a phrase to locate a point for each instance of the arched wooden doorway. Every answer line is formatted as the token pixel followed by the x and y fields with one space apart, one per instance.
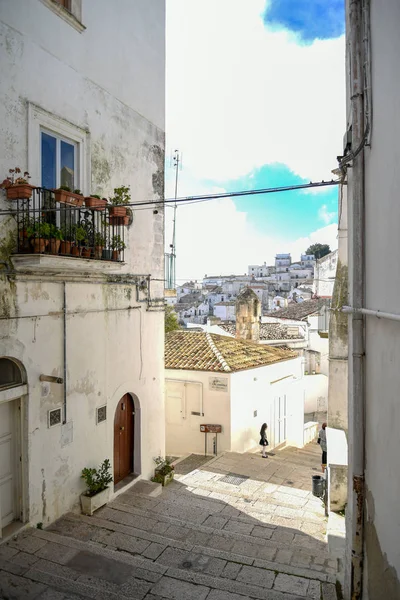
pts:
pixel 124 421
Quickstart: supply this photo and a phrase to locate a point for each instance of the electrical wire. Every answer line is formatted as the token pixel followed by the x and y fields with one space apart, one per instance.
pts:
pixel 207 197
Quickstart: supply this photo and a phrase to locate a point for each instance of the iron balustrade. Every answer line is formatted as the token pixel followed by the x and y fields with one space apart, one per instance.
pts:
pixel 48 226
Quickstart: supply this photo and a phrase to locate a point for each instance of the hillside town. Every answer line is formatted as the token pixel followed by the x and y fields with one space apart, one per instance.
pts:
pixel 233 437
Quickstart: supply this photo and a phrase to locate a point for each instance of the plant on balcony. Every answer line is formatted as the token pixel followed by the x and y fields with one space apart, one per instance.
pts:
pixel 119 202
pixel 17 187
pixel 95 202
pixel 97 482
pixel 79 235
pixel 117 245
pixel 39 233
pixel 164 471
pixel 64 195
pixel 56 237
pixel 67 239
pixel 88 240
pixel 99 243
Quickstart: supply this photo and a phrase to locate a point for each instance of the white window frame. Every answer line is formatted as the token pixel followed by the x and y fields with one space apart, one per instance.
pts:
pixel 41 120
pixel 77 150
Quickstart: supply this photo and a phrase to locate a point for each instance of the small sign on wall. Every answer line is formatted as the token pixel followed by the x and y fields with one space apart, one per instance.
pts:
pixel 218 384
pixel 211 428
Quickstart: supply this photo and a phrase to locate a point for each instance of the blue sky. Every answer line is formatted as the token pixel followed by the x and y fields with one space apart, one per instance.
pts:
pixel 255 98
pixel 309 19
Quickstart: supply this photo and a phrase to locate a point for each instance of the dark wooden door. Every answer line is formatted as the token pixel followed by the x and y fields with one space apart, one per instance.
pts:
pixel 123 438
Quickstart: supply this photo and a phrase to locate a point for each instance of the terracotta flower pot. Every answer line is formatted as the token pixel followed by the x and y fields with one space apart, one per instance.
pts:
pixel 22 191
pixel 95 203
pixel 75 251
pixel 98 251
pixel 119 220
pixel 86 252
pixel 39 245
pixel 65 247
pixel 115 255
pixel 55 246
pixel 118 211
pixel 65 197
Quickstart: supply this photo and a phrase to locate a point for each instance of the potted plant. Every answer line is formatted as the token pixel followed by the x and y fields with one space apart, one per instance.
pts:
pixel 95 202
pixel 119 202
pixel 56 237
pixel 67 238
pixel 17 187
pixel 39 233
pixel 23 224
pixel 117 245
pixel 64 195
pixel 79 235
pixel 88 240
pixel 164 471
pixel 99 242
pixel 98 492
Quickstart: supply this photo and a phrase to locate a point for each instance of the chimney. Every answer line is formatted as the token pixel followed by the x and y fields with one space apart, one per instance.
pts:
pixel 248 312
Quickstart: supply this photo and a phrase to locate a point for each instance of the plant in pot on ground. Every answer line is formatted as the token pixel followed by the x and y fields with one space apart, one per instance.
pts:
pixel 117 245
pixel 119 202
pixel 164 471
pixel 67 238
pixel 79 234
pixel 39 233
pixel 97 492
pixel 16 186
pixel 56 237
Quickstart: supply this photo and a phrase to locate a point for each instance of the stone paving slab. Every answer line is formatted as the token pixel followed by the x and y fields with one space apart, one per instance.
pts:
pixel 262 540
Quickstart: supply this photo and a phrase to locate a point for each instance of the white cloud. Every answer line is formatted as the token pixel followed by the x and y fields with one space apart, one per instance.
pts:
pixel 239 96
pixel 326 216
pixel 215 238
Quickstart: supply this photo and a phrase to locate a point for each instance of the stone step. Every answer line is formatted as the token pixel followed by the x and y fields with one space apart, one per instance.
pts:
pixel 93 569
pixel 264 554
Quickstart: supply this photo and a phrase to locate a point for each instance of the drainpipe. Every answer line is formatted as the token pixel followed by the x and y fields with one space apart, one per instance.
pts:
pixel 65 353
pixel 356 382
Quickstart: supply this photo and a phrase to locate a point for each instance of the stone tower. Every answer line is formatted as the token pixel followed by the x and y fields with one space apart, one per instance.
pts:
pixel 248 312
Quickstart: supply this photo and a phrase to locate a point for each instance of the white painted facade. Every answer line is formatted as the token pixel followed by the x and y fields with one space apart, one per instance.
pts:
pixel 59 76
pixel 374 284
pixel 197 313
pixel 240 402
pixel 259 270
pixel 226 311
pixel 325 273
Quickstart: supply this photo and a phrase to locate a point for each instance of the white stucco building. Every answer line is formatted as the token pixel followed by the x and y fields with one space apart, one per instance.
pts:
pixel 213 379
pixel 226 311
pixel 325 273
pixel 371 169
pixel 81 353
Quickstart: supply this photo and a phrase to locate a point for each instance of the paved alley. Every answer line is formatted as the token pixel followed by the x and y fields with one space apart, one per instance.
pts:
pixel 236 528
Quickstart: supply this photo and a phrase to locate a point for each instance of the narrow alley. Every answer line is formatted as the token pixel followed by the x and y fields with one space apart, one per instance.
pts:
pixel 235 528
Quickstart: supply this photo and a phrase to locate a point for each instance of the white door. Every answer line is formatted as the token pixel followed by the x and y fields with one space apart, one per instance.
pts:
pixel 8 464
pixel 280 419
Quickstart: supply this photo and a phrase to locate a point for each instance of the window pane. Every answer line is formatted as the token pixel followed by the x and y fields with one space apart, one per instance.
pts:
pixel 48 161
pixel 67 165
pixel 9 373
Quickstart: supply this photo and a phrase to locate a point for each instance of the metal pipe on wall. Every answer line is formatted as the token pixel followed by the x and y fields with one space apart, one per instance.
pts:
pixel 379 314
pixel 65 352
pixel 356 381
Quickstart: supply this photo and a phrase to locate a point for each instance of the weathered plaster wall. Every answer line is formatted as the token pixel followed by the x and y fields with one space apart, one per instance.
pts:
pixel 114 94
pixel 324 276
pixel 108 354
pixel 382 337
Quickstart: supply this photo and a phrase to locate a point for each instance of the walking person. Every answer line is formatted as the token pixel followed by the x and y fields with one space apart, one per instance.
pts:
pixel 263 439
pixel 322 443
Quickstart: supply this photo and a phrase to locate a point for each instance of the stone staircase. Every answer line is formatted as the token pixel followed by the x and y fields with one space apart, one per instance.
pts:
pixel 192 542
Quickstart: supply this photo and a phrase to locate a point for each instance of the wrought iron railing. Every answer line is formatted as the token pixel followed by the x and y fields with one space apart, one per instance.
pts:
pixel 74 226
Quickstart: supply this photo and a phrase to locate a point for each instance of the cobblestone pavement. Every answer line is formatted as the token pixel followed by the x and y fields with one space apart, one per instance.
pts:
pixel 201 539
pixel 190 463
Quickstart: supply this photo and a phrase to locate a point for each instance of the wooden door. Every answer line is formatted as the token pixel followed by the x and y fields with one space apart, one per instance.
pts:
pixel 8 465
pixel 123 438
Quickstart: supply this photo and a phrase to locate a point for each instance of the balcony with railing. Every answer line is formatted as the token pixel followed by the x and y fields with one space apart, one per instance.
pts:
pixel 52 223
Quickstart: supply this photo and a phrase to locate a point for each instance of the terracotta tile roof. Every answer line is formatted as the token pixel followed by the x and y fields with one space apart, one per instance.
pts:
pixel 268 331
pixel 195 351
pixel 298 312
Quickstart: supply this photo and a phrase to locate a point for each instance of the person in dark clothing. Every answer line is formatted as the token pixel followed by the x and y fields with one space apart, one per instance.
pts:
pixel 322 443
pixel 263 439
